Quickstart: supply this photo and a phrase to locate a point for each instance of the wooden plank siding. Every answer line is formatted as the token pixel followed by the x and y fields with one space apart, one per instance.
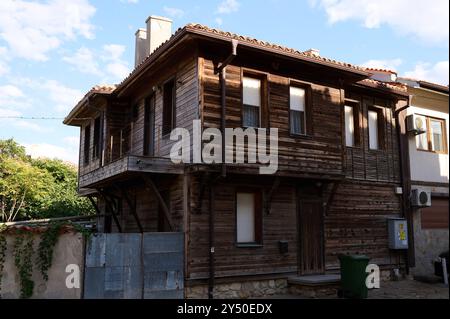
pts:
pixel 231 260
pixel 119 114
pixel 320 153
pixel 382 165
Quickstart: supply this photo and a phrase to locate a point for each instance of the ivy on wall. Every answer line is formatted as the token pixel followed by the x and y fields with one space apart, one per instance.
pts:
pixel 24 250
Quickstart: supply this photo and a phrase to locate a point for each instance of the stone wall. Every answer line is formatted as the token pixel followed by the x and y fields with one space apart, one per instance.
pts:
pixel 271 287
pixel 240 290
pixel 68 250
pixel 428 244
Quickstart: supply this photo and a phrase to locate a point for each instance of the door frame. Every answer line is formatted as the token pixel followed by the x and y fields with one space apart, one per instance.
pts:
pixel 317 199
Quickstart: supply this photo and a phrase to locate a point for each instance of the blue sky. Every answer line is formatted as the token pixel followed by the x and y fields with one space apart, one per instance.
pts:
pixel 52 52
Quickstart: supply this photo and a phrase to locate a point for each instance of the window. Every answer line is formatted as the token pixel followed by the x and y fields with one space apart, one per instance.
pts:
pixel 252 102
pixel 349 126
pixel 169 109
pixel 374 132
pixel 297 116
pixel 248 218
pixel 87 143
pixel 437 135
pixel 97 141
pixel 434 139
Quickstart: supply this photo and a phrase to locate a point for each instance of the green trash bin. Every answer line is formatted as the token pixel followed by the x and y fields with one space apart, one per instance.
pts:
pixel 353 276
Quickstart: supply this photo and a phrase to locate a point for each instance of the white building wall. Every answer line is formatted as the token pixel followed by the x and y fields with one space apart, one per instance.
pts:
pixel 428 166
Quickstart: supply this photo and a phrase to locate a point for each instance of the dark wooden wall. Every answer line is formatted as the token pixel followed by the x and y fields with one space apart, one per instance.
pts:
pixel 361 163
pixel 319 153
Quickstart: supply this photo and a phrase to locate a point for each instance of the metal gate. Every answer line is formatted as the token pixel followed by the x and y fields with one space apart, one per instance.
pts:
pixel 135 266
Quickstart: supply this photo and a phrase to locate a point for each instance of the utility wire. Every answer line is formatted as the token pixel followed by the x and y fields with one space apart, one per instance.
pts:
pixel 31 118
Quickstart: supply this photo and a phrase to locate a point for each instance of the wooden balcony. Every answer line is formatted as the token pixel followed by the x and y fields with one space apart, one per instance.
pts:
pixel 128 165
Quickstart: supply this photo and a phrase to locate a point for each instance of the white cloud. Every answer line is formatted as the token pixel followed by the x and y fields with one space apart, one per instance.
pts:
pixel 72 141
pixel 4 68
pixel 437 73
pixel 9 113
pixel 383 64
pixel 228 6
pixel 64 97
pixel 12 98
pixel 174 12
pixel 219 21
pixel 44 150
pixel 130 1
pixel 10 91
pixel 32 29
pixel 31 126
pixel 427 21
pixel 84 61
pixel 107 64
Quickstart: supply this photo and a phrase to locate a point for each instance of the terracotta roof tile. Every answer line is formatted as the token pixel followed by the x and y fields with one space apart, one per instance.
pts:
pixel 387 85
pixel 380 70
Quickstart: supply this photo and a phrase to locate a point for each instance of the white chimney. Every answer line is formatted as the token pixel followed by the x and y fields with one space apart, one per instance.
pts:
pixel 159 30
pixel 141 46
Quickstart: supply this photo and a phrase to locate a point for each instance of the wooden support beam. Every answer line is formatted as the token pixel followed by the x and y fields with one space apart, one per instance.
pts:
pixel 132 207
pixel 268 198
pixel 150 185
pixel 94 204
pixel 111 208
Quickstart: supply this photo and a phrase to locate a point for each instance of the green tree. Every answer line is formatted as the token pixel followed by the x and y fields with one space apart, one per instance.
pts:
pixel 23 188
pixel 65 200
pixel 34 189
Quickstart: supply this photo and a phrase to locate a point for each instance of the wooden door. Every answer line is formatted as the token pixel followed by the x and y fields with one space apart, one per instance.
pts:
pixel 311 260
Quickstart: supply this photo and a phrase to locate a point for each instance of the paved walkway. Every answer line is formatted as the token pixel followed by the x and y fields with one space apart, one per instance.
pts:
pixel 403 289
pixel 410 289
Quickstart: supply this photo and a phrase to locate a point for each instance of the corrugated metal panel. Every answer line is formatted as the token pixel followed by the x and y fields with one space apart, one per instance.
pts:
pixel 114 267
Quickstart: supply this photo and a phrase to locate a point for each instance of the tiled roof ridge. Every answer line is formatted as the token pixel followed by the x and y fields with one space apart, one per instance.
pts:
pixel 381 70
pixel 389 85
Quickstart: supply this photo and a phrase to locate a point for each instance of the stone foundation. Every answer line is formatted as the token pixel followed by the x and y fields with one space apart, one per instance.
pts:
pixel 240 290
pixel 270 287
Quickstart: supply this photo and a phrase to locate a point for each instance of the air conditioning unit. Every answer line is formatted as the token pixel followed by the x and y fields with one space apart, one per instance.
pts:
pixel 416 124
pixel 420 198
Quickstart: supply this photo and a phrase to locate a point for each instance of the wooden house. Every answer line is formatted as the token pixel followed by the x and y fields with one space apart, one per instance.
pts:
pixel 339 159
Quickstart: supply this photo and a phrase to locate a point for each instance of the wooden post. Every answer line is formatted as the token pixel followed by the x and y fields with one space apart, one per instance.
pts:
pixel 108 203
pixel 132 207
pixel 151 186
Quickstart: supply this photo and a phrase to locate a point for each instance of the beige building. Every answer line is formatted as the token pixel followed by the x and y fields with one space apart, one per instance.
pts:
pixel 428 135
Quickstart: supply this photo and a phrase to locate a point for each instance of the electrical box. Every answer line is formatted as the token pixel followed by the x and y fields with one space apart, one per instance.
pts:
pixel 398 233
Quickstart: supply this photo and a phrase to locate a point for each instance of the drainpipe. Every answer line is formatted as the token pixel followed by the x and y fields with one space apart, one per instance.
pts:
pixel 405 182
pixel 221 70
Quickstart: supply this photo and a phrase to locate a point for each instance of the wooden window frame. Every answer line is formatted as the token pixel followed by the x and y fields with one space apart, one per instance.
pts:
pixel 259 242
pixel 429 149
pixel 97 138
pixel 356 105
pixel 165 131
pixel 381 128
pixel 87 144
pixel 309 132
pixel 264 121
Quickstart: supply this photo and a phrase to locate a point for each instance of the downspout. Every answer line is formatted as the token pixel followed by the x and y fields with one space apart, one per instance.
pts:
pixel 221 70
pixel 405 182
